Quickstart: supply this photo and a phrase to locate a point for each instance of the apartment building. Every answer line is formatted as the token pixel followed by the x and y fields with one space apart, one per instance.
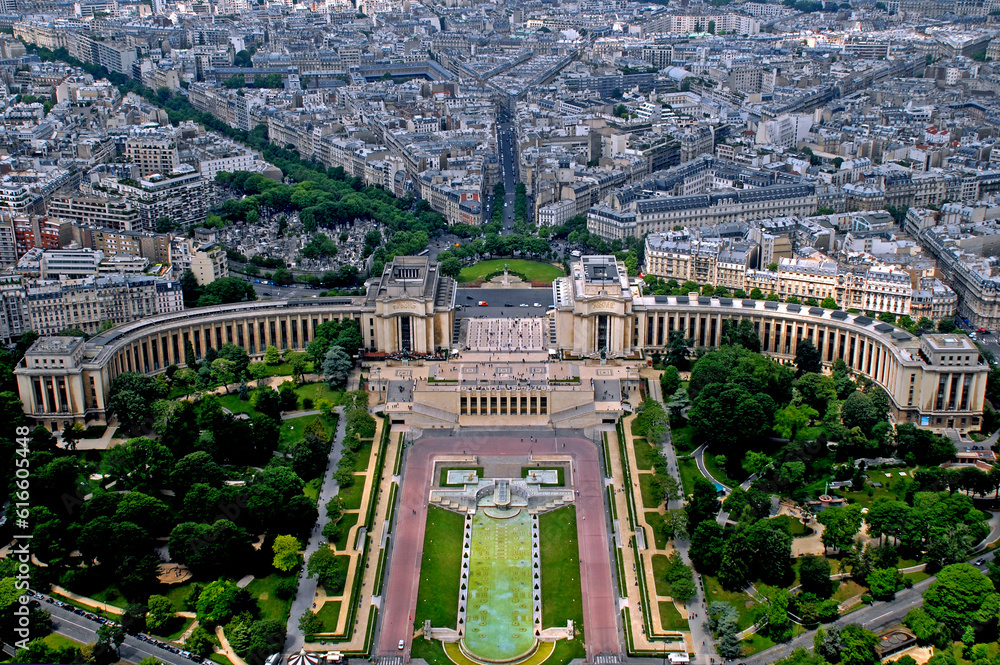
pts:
pixel 208 262
pixel 152 154
pixel 98 211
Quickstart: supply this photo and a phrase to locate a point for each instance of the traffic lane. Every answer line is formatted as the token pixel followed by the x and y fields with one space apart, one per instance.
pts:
pixel 497 300
pixel 84 630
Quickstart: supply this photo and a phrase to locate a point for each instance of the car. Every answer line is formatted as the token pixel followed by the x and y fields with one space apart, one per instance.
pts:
pixel 469 298
pixel 401 645
pixel 551 307
pixel 537 304
pixel 483 303
pixel 524 304
pixel 507 304
pixel 980 562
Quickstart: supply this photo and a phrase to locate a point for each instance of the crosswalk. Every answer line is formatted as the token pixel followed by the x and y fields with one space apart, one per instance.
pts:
pixel 390 660
pixel 607 659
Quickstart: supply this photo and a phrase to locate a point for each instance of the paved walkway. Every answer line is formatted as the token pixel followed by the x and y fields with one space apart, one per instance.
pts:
pixel 306 593
pixel 600 615
pixel 89 602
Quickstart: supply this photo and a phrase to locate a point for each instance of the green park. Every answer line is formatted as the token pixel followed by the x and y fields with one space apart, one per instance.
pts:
pixel 527 270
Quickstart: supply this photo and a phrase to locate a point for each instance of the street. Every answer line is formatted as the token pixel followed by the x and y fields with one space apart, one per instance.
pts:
pixel 506 145
pixel 497 300
pixel 84 630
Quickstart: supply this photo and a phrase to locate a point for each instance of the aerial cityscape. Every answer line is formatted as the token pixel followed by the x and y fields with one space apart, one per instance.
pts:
pixel 509 333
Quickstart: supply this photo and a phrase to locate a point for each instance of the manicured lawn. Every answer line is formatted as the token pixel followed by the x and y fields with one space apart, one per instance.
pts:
pixel 111 596
pixel 219 658
pixel 429 650
pixel 671 619
pixel 659 571
pixel 180 626
pixel 689 473
pixel 235 404
pixel 293 429
pixel 177 593
pixel 795 527
pixel 916 577
pixel 756 643
pixel 848 589
pixel 271 607
pixel 440 569
pixel 329 614
pixel 645 454
pixel 530 269
pixel 317 391
pixel 346 522
pixel 443 476
pixel 562 598
pixel 893 487
pixel 363 456
pixel 650 498
pixel 57 641
pixel 739 601
pixel 655 520
pixel 352 495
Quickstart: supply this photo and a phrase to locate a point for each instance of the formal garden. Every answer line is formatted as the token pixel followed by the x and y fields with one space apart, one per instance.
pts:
pixel 204 505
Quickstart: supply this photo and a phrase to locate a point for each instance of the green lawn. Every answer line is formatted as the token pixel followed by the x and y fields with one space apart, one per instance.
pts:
pixel 271 607
pixel 180 626
pixel 689 473
pixel 440 569
pixel 352 495
pixel 795 527
pixel 346 522
pixel 741 602
pixel 645 454
pixel 311 489
pixel 57 641
pixel 650 498
pixel 848 589
pixel 919 576
pixel 235 404
pixel 756 643
pixel 177 593
pixel 429 650
pixel 219 658
pixel 659 571
pixel 530 269
pixel 317 391
pixel 654 520
pixel 362 456
pixel 111 596
pixel 893 487
pixel 285 369
pixel 293 429
pixel 671 619
pixel 329 614
pixel 562 597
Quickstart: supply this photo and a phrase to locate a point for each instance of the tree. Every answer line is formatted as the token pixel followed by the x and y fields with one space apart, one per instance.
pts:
pixel 826 644
pixel 309 623
pixel 858 411
pixel 808 359
pixel 199 642
pixel 286 552
pixel 160 611
pixel 328 569
pixel 842 524
pixel 814 574
pixel 131 398
pixel 817 390
pixel 707 547
pixel 961 596
pixel 271 355
pixel 704 503
pixel 220 601
pixel 670 380
pixel 110 637
pixel 756 463
pixel 789 420
pixel 677 348
pixel 337 366
pixel 829 303
pixel 858 646
pixel 884 583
